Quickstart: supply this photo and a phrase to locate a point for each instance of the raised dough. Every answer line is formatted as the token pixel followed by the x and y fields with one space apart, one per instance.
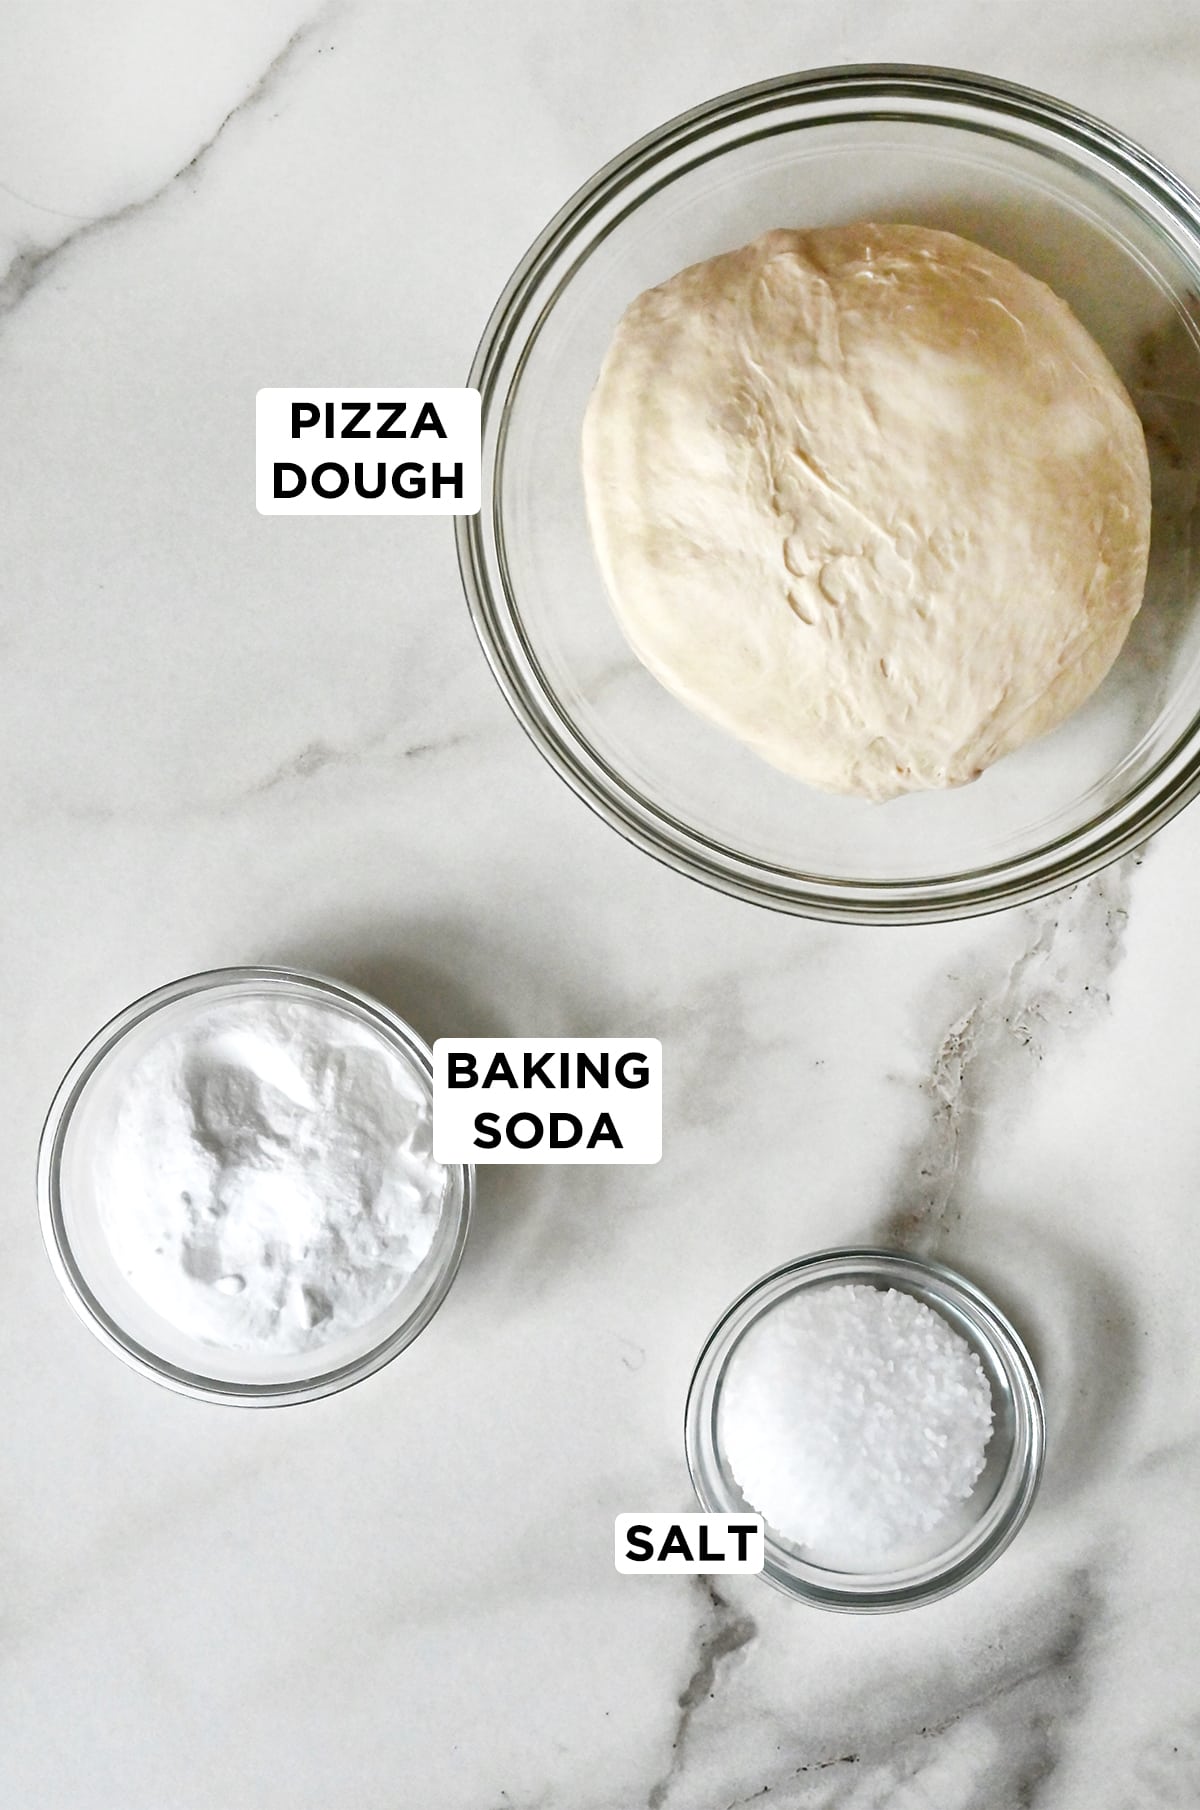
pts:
pixel 871 498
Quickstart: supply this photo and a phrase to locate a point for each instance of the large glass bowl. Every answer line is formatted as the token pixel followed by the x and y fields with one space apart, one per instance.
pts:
pixel 1066 197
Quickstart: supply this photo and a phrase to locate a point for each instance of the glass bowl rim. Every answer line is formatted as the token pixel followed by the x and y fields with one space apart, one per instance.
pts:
pixel 1026 1461
pixel 1168 786
pixel 70 1276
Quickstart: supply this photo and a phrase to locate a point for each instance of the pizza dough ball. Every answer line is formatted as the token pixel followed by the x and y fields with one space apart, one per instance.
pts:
pixel 869 497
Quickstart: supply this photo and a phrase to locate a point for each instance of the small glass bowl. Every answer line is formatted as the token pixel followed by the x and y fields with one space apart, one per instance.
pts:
pixel 1002 1497
pixel 102 1296
pixel 1061 194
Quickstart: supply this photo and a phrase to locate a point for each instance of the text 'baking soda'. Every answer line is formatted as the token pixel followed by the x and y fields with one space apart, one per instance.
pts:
pixel 665 1545
pixel 367 452
pixel 547 1100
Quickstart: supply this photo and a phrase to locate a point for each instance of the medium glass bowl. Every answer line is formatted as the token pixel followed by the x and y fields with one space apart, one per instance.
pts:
pixel 970 1539
pixel 106 1301
pixel 1069 199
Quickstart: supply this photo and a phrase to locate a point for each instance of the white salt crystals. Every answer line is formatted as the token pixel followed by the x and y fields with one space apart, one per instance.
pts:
pixel 855 1420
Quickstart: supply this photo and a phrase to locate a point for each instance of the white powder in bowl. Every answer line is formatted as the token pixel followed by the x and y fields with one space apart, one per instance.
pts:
pixel 854 1419
pixel 269 1183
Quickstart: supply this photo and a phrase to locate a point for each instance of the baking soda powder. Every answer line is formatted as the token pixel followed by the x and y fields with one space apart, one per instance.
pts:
pixel 269 1183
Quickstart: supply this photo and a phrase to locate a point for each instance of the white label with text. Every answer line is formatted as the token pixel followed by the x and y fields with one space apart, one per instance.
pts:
pixel 547 1100
pixel 367 452
pixel 666 1545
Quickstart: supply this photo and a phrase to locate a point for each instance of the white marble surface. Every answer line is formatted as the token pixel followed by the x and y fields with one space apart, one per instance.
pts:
pixel 232 738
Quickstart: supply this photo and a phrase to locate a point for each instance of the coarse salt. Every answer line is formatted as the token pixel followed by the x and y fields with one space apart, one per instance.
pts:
pixel 855 1419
